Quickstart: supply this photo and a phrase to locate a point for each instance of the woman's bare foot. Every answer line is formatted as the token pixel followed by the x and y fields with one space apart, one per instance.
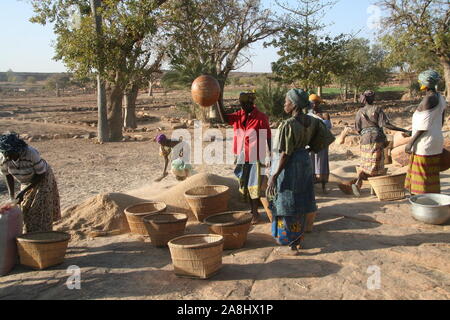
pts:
pixel 256 218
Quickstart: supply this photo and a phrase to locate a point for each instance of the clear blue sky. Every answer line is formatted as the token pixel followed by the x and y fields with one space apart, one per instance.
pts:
pixel 28 47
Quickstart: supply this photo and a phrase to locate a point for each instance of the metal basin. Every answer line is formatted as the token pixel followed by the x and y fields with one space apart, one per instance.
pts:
pixel 431 208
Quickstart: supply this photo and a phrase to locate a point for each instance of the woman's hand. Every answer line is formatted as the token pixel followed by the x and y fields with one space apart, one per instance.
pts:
pixel 271 186
pixel 408 148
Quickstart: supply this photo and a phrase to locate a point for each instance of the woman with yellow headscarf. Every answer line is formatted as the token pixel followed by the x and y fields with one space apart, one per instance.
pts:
pixel 427 143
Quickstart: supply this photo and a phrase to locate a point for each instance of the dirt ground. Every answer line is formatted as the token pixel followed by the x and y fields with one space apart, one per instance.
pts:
pixel 352 236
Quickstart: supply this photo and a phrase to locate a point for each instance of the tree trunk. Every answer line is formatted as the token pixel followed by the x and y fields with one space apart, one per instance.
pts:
pixel 102 125
pixel 319 91
pixel 115 120
pixel 220 103
pixel 346 92
pixel 150 88
pixel 130 108
pixel 446 65
pixel 102 122
pixel 355 95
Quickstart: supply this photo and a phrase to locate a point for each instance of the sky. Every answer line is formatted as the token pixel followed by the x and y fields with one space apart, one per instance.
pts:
pixel 27 47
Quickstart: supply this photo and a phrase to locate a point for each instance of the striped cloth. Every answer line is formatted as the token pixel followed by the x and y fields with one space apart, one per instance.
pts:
pixel 28 164
pixel 423 174
pixel 372 159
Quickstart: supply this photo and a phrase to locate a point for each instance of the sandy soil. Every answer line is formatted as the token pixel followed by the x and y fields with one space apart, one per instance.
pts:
pixel 350 236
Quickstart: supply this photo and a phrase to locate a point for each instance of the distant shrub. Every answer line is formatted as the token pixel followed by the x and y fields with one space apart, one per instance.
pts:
pixel 30 80
pixel 270 99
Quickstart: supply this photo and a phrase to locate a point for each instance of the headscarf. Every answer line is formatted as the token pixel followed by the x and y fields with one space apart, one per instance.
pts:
pixel 11 142
pixel 429 79
pixel 160 138
pixel 315 98
pixel 247 97
pixel 368 97
pixel 299 98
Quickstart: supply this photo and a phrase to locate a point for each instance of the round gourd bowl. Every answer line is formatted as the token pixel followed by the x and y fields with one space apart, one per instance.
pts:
pixel 431 208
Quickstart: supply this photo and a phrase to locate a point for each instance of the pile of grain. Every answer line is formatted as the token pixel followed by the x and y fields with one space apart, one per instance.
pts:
pixel 104 212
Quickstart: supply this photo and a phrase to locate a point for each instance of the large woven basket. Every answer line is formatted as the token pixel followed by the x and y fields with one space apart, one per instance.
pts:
pixel 163 227
pixel 136 213
pixel 41 250
pixel 197 256
pixel 233 226
pixel 389 188
pixel 207 200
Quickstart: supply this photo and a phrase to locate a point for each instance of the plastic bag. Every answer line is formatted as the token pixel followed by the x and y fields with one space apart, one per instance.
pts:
pixel 11 224
pixel 181 169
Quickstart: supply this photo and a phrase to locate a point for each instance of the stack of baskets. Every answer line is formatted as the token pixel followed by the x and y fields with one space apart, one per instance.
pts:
pixel 389 188
pixel 136 213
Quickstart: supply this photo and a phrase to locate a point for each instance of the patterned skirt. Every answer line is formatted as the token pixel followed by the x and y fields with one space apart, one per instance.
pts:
pixel 372 159
pixel 41 205
pixel 423 174
pixel 250 180
pixel 288 230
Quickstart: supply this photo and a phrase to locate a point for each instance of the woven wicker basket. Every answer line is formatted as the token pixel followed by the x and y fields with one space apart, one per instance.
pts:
pixel 207 200
pixel 197 256
pixel 136 213
pixel 41 250
pixel 163 227
pixel 389 188
pixel 233 226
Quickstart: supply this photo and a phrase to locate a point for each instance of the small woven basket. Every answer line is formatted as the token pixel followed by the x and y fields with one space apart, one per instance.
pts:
pixel 197 256
pixel 41 250
pixel 389 188
pixel 136 213
pixel 207 200
pixel 233 226
pixel 163 227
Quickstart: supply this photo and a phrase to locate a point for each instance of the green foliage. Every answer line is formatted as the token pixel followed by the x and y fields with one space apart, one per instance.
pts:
pixel 182 75
pixel 308 58
pixel 128 29
pixel 30 80
pixel 60 81
pixel 417 34
pixel 365 65
pixel 270 99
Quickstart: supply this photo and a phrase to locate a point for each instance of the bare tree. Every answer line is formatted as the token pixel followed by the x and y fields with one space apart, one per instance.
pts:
pixel 216 34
